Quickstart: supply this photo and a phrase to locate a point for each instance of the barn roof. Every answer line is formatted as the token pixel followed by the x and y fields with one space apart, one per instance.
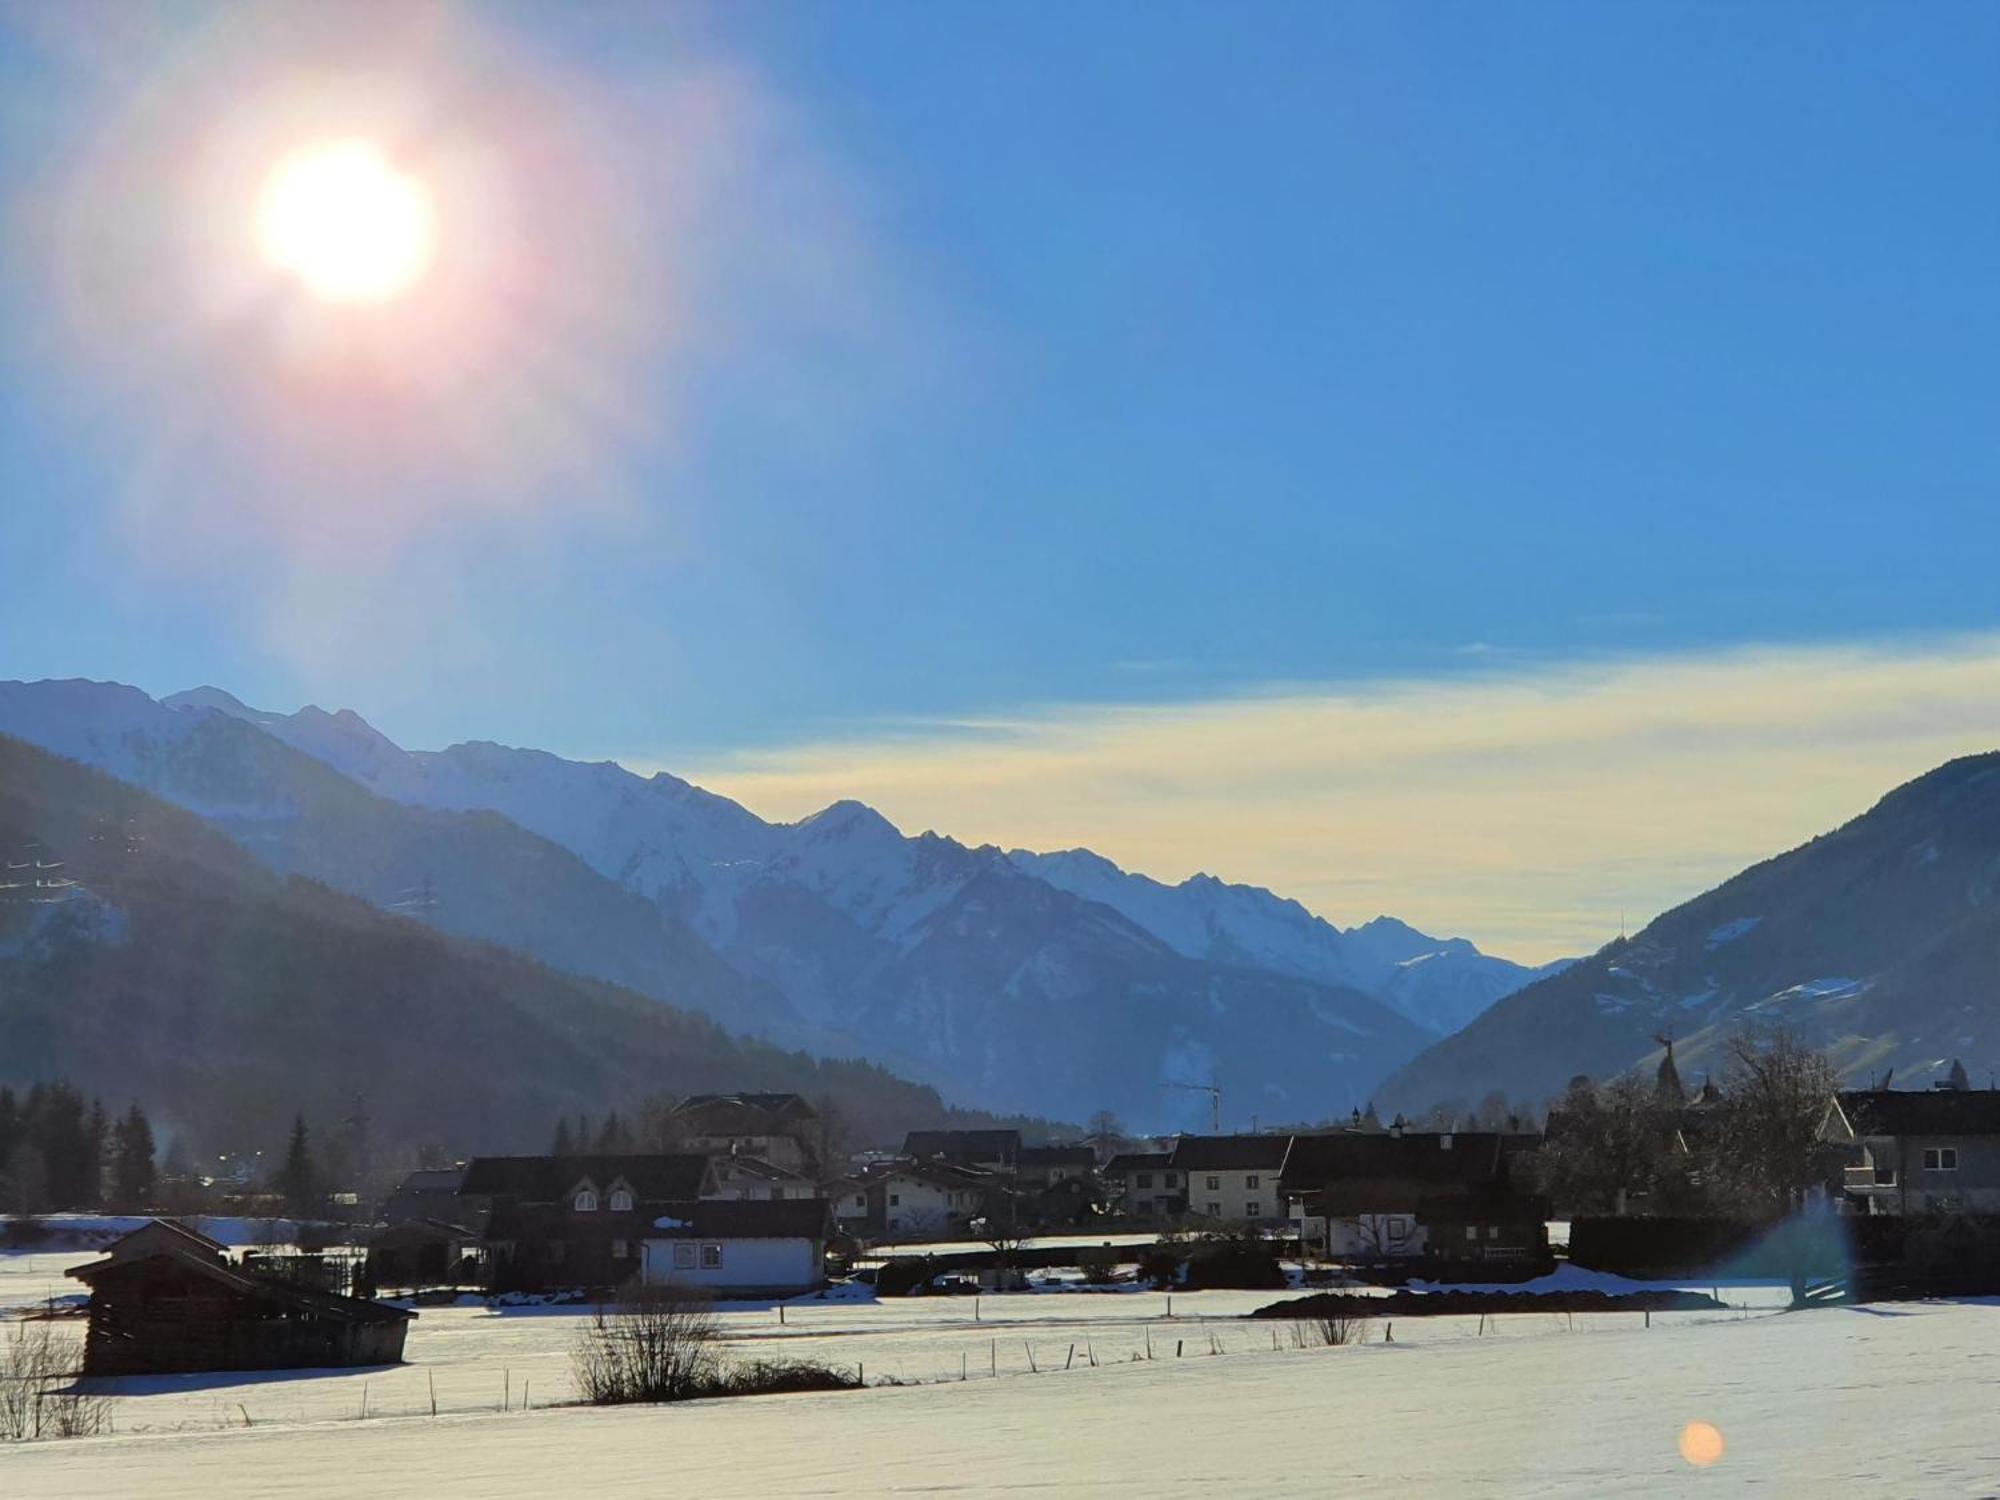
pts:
pixel 1431 1157
pixel 1138 1161
pixel 189 1259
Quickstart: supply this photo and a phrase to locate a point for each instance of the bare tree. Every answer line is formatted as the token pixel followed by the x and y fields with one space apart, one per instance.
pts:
pixel 656 1343
pixel 1608 1144
pixel 1765 1149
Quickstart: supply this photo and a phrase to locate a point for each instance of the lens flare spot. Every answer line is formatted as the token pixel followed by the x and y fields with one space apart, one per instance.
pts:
pixel 1701 1444
pixel 346 222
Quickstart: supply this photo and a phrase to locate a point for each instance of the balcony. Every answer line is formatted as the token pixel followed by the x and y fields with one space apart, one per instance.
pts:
pixel 1869 1179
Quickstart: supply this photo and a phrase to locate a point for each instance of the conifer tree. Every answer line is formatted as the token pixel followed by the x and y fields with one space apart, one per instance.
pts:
pixel 298 1180
pixel 132 1173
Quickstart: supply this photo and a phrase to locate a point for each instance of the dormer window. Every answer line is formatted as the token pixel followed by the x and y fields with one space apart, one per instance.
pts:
pixel 621 1200
pixel 586 1201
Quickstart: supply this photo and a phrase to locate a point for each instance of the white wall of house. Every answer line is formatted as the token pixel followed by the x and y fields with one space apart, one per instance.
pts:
pixel 724 1265
pixel 912 1205
pixel 1230 1194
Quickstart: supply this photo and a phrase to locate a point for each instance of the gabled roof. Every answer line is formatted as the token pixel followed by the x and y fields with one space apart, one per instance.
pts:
pixel 165 1234
pixel 1138 1161
pixel 1231 1153
pixel 547 1179
pixel 981 1145
pixel 741 1219
pixel 1881 1112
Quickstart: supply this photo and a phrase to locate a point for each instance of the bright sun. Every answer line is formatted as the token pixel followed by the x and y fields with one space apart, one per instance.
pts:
pixel 351 226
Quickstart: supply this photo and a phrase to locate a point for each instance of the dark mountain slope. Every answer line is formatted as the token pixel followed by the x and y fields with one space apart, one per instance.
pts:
pixel 1879 941
pixel 225 996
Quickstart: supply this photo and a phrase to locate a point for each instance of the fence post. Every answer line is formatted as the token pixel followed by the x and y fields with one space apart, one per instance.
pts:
pixel 1177 1347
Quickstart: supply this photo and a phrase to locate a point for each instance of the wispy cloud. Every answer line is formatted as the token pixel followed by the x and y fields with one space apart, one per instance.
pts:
pixel 1523 808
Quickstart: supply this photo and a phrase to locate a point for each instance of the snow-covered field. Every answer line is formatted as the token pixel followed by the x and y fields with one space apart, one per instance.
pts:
pixel 1894 1400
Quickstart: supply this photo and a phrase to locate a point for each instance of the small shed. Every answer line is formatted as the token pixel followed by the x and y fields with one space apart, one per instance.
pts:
pixel 165 1300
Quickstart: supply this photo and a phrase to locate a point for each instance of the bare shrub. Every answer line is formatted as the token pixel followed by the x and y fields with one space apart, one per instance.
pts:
pixel 776 1377
pixel 653 1344
pixel 1329 1331
pixel 33 1402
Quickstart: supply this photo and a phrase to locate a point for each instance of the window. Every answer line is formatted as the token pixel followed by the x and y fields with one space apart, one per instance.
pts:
pixel 1399 1228
pixel 1250 1181
pixel 683 1257
pixel 1215 1184
pixel 1170 1179
pixel 620 1249
pixel 1472 1231
pixel 1145 1180
pixel 1493 1231
pixel 1885 1177
pixel 1940 1158
pixel 586 1202
pixel 1253 1210
pixel 895 1200
pixel 1215 1210
pixel 860 1200
pixel 711 1257
pixel 621 1201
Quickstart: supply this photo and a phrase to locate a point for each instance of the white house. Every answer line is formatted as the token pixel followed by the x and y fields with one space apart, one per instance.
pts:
pixel 738 1248
pixel 1233 1177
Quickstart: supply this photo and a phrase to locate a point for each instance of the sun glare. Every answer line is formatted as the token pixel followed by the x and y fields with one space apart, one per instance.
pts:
pixel 346 222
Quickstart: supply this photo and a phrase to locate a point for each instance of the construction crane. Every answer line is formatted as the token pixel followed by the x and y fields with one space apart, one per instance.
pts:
pixel 1214 1102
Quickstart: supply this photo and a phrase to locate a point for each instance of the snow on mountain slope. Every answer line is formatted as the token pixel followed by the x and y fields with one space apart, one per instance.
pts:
pixel 1052 982
pixel 1440 984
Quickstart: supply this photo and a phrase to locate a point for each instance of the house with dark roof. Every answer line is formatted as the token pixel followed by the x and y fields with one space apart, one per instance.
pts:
pixel 1930 1151
pixel 1233 1177
pixel 577 1220
pixel 994 1150
pixel 166 1300
pixel 739 1247
pixel 1446 1195
pixel 779 1128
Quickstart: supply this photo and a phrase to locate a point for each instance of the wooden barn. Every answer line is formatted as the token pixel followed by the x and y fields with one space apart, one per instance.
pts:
pixel 166 1300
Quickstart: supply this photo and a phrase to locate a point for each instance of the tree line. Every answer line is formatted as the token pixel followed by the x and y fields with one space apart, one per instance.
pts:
pixel 62 1153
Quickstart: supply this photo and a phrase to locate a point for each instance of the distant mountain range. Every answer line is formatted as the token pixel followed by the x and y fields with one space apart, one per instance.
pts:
pixel 225 996
pixel 1051 983
pixel 1879 941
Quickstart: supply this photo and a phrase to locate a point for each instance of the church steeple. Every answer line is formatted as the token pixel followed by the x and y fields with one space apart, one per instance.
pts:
pixel 1667 1081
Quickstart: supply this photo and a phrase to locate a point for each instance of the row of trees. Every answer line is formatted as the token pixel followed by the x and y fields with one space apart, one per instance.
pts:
pixel 1752 1149
pixel 59 1152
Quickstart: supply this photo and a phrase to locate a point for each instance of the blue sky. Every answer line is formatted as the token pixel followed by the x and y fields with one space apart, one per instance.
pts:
pixel 1123 354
